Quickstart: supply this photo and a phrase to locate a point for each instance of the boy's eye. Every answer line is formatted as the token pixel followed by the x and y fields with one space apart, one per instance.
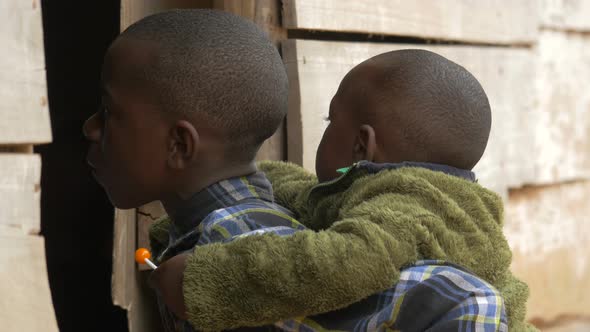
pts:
pixel 327 118
pixel 103 113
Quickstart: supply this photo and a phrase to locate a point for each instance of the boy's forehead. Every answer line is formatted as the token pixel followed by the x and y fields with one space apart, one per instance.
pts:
pixel 361 79
pixel 365 73
pixel 360 85
pixel 125 61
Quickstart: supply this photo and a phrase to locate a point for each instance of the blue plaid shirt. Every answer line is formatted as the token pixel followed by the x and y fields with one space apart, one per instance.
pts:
pixel 430 295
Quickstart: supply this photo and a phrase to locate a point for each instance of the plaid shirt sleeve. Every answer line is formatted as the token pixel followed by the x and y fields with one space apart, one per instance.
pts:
pixel 245 220
pixel 437 296
pixel 430 296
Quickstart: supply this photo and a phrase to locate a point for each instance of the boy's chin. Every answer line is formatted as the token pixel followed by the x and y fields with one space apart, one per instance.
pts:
pixel 123 203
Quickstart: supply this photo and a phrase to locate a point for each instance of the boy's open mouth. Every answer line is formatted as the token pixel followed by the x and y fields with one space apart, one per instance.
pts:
pixel 93 170
pixel 91 165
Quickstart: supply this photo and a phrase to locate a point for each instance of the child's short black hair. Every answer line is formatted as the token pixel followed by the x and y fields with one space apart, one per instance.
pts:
pixel 444 110
pixel 219 67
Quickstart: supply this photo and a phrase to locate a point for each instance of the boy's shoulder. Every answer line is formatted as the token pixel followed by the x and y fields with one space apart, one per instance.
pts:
pixel 248 218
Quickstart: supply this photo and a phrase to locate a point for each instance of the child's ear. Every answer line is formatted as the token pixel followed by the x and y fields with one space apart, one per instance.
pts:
pixel 364 144
pixel 183 145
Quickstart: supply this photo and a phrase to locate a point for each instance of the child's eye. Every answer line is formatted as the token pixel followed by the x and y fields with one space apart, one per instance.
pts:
pixel 326 118
pixel 103 113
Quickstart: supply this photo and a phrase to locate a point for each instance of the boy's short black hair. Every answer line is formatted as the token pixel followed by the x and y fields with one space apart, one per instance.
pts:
pixel 444 110
pixel 219 67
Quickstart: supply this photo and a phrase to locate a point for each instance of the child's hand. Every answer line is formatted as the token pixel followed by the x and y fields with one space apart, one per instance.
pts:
pixel 167 280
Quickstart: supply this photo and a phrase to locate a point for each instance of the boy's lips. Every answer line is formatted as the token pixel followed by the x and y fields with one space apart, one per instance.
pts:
pixel 91 165
pixel 93 169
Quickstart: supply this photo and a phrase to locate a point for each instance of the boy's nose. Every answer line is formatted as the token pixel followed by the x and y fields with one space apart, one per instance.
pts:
pixel 92 128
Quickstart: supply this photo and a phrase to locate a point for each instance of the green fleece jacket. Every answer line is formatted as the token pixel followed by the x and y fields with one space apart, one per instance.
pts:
pixel 364 228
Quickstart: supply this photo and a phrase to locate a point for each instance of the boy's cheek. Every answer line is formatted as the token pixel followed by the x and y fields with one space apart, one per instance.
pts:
pixel 326 165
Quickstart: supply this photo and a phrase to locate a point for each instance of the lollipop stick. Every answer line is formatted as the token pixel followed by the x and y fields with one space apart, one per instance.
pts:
pixel 150 264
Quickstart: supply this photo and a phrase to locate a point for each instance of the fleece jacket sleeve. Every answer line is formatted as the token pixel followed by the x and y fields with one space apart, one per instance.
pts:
pixel 263 279
pixel 291 184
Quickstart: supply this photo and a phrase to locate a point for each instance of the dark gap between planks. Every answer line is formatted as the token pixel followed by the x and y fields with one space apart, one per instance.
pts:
pixel 377 38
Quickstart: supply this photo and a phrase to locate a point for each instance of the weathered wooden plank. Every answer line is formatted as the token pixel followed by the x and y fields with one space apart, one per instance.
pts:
pixel 123 279
pixel 134 10
pixel 549 231
pixel 20 148
pixel 316 68
pixel 566 14
pixel 573 324
pixel 266 14
pixel 146 215
pixel 129 285
pixel 486 21
pixel 562 135
pixel 20 176
pixel 25 304
pixel 24 115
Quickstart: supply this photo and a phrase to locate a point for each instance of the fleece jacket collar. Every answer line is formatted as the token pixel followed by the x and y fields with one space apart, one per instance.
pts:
pixel 373 168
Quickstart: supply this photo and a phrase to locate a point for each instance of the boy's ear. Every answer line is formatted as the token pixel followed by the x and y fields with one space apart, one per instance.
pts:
pixel 183 145
pixel 365 145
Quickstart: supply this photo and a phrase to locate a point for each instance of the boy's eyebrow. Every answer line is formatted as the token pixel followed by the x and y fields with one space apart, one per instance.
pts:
pixel 106 98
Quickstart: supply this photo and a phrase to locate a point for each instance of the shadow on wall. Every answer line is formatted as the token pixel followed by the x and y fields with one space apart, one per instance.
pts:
pixel 76 217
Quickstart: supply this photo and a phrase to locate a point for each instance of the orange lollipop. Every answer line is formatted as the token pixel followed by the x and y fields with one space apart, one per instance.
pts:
pixel 142 256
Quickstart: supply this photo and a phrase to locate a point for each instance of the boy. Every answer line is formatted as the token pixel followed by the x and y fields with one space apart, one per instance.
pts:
pixel 378 221
pixel 189 97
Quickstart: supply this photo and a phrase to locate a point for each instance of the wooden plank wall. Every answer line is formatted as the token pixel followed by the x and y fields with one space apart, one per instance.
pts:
pixel 24 109
pixel 25 304
pixel 485 21
pixel 533 59
pixel 547 223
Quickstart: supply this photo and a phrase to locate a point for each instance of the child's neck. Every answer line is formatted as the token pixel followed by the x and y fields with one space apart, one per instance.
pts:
pixel 181 198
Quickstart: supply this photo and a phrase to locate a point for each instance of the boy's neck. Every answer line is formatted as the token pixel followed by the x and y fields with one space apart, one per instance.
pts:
pixel 182 198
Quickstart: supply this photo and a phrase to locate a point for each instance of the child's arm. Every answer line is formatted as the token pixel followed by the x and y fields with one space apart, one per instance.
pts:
pixel 291 184
pixel 400 218
pixel 262 279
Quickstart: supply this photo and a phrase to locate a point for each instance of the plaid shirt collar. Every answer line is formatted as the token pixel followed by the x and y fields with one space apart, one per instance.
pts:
pixel 218 196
